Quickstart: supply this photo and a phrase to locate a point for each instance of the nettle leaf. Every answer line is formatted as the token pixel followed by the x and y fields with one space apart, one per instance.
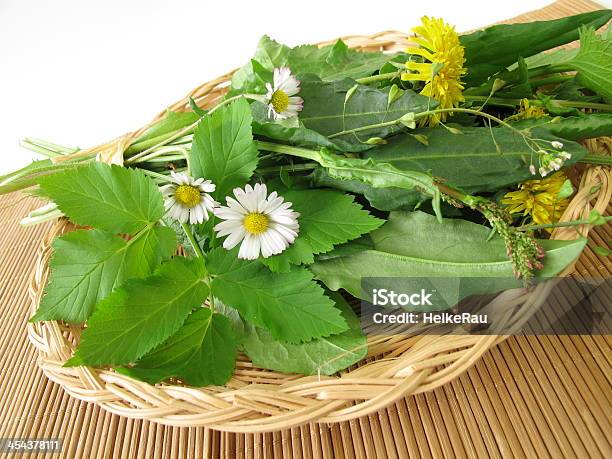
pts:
pixel 327 218
pixel 87 265
pixel 319 356
pixel 291 305
pixel 202 352
pixel 332 62
pixel 111 198
pixel 327 111
pixel 223 149
pixel 141 314
pixel 415 245
pixel 594 62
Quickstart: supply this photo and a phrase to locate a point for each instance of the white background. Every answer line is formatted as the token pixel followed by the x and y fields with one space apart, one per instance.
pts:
pixel 80 72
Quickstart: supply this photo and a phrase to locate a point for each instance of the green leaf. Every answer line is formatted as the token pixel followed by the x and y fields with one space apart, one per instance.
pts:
pixel 291 305
pixel 585 126
pixel 141 314
pixel 566 190
pixel 470 161
pixel 318 356
pixel 391 198
pixel 87 265
pixel 497 47
pixel 415 245
pixel 595 218
pixel 594 62
pixel 326 112
pixel 296 135
pixel 223 149
pixel 329 63
pixel 170 123
pixel 335 62
pixel 322 226
pixel 381 175
pixel 111 198
pixel 202 352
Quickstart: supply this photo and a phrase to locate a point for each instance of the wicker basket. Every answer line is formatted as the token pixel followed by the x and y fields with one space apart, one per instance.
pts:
pixel 258 400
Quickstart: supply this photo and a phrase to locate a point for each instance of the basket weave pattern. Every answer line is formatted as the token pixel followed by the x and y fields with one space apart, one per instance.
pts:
pixel 258 400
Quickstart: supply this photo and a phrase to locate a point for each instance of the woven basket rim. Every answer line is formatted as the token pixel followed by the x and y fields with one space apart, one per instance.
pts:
pixel 258 400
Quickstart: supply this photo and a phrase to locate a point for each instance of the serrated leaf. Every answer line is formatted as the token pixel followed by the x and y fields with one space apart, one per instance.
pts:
pixel 291 305
pixel 223 149
pixel 332 62
pixel 319 356
pixel 111 198
pixel 202 352
pixel 594 62
pixel 327 218
pixel 87 265
pixel 142 314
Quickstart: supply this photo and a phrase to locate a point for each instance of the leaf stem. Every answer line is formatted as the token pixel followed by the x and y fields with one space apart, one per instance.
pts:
pixel 289 167
pixel 599 160
pixel 425 114
pixel 379 77
pixel 550 80
pixel 192 241
pixel 149 145
pixel 155 175
pixel 289 150
pixel 560 224
pixel 502 102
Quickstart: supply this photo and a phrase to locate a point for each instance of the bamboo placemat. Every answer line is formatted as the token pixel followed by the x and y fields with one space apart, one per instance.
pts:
pixel 544 396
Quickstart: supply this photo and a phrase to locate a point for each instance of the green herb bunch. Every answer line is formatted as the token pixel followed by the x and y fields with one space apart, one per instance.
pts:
pixel 320 167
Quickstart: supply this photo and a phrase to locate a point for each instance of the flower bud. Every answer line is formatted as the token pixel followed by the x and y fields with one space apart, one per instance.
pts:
pixel 532 169
pixel 556 144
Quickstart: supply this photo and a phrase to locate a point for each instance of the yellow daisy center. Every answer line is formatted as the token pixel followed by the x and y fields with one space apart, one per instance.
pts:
pixel 256 223
pixel 279 101
pixel 187 195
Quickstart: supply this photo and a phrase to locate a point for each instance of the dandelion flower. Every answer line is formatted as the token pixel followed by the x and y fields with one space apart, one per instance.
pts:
pixel 528 111
pixel 187 199
pixel 538 199
pixel 265 224
pixel 439 44
pixel 281 97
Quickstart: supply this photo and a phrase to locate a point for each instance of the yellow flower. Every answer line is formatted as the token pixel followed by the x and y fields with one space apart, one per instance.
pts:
pixel 442 74
pixel 539 199
pixel 527 111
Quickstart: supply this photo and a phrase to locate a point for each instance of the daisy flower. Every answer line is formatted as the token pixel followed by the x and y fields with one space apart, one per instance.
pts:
pixel 439 44
pixel 538 199
pixel 187 199
pixel 281 97
pixel 265 224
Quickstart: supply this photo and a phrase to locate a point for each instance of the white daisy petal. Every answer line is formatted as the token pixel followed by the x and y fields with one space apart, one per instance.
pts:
pixel 187 199
pixel 281 95
pixel 265 224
